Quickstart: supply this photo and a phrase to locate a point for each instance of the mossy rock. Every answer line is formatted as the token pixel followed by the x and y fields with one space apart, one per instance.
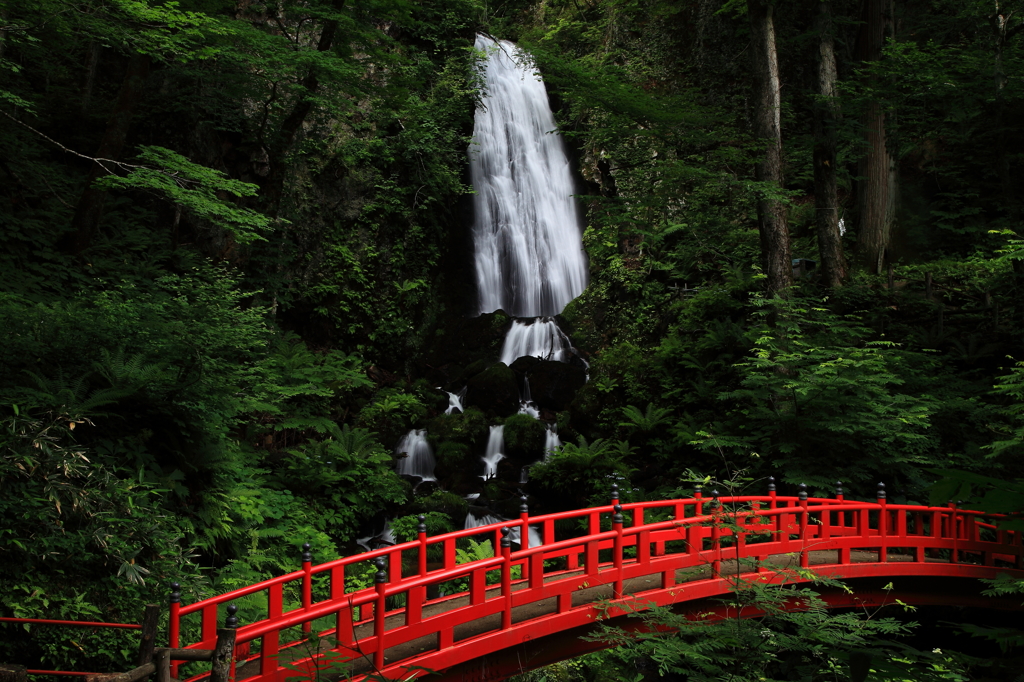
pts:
pixel 469 427
pixel 440 501
pixel 452 456
pixel 553 385
pixel 524 439
pixel 494 390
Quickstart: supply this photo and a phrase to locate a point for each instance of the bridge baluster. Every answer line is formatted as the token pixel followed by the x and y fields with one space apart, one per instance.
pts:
pixel 804 526
pixel 506 579
pixel 174 624
pixel 380 580
pixel 307 582
pixel 524 532
pixel 343 627
pixel 883 524
pixel 615 494
pixel 716 536
pixel 617 550
pixel 421 535
pixel 771 492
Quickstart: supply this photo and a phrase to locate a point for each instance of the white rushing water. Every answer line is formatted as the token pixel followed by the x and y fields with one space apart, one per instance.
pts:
pixel 455 402
pixel 495 451
pixel 551 440
pixel 540 338
pixel 415 457
pixel 526 231
pixel 474 521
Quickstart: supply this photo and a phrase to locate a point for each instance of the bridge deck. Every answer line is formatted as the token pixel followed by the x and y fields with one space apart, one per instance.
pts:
pixel 589 595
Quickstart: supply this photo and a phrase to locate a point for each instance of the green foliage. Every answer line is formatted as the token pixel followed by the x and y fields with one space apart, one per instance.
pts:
pixel 524 437
pixel 796 638
pixel 195 188
pixel 811 388
pixel 583 472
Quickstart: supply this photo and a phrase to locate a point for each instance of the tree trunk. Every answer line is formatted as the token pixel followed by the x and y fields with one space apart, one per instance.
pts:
pixel 771 212
pixel 90 204
pixel 877 193
pixel 293 122
pixel 826 192
pixel 1001 34
pixel 91 64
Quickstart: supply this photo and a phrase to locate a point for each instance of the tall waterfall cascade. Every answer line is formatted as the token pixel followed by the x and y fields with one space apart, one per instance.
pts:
pixel 526 231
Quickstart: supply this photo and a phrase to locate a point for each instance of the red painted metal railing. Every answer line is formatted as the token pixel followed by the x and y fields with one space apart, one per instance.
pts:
pixel 406 620
pixel 68 623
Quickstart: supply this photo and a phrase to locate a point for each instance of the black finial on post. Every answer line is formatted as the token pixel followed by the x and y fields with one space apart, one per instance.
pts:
pixel 307 556
pixel 881 491
pixel 381 576
pixel 231 622
pixel 506 541
pixel 771 484
pixel 617 517
pixel 803 492
pixel 175 593
pixel 422 527
pixel 523 507
pixel 615 491
pixel 839 488
pixel 698 489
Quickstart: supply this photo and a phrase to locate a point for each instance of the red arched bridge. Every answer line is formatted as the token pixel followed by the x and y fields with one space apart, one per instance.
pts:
pixel 497 616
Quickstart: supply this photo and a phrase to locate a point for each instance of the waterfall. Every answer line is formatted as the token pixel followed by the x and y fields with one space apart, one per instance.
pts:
pixel 383 539
pixel 455 402
pixel 495 451
pixel 415 457
pixel 474 521
pixel 540 338
pixel 526 404
pixel 528 250
pixel 551 440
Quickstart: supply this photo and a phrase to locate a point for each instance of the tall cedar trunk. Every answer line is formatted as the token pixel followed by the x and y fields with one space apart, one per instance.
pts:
pixel 771 213
pixel 1001 34
pixel 91 64
pixel 877 191
pixel 293 122
pixel 90 204
pixel 826 192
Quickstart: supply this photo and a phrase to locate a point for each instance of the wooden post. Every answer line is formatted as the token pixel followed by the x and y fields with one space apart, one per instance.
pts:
pixel 150 620
pixel 223 655
pixel 162 660
pixel 13 673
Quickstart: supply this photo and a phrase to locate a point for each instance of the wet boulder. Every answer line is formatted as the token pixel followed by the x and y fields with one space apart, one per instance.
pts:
pixel 553 385
pixel 494 389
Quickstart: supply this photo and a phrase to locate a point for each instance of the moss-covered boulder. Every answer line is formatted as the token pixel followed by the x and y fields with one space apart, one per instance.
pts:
pixel 553 385
pixel 469 427
pixel 494 390
pixel 524 439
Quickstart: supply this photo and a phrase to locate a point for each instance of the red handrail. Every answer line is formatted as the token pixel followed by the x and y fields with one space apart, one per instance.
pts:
pixel 702 532
pixel 72 623
pixel 80 623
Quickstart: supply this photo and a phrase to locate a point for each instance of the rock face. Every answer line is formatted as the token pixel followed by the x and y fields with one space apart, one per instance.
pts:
pixel 494 389
pixel 554 384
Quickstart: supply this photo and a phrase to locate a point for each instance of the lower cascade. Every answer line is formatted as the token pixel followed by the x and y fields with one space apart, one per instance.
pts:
pixel 495 451
pixel 415 456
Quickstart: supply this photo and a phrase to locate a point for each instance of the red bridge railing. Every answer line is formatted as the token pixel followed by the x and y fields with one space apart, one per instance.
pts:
pixel 407 620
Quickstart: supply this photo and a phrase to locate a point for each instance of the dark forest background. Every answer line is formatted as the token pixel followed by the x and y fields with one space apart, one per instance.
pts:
pixel 234 271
